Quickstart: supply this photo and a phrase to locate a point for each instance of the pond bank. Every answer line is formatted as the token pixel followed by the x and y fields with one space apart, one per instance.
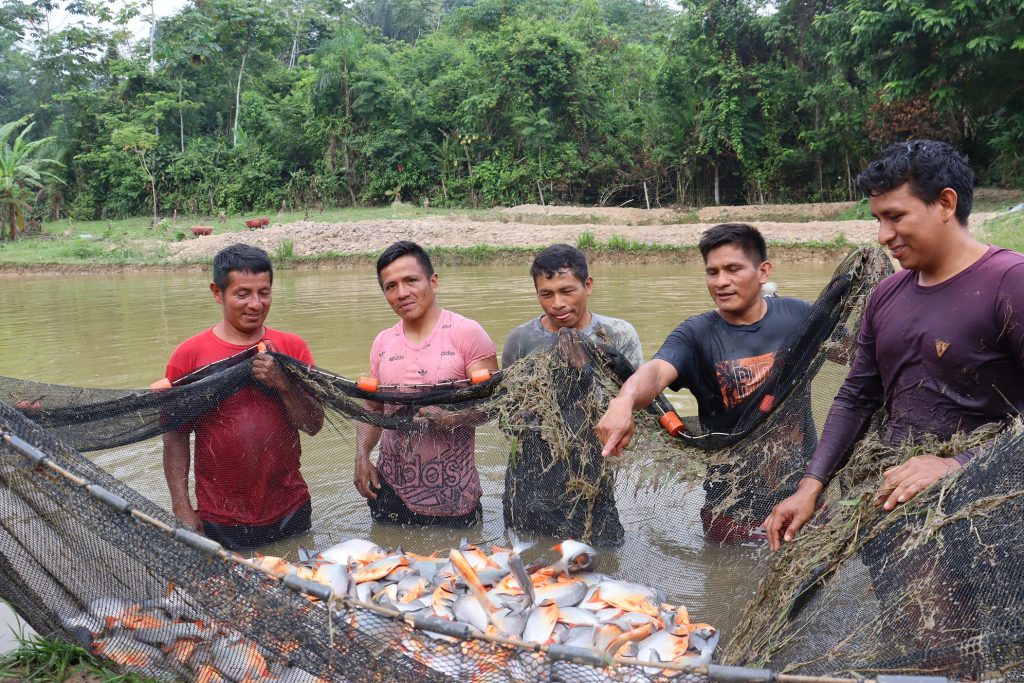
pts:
pixel 444 256
pixel 354 237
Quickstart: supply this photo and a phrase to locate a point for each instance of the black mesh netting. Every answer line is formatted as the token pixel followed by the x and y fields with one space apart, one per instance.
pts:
pixel 930 588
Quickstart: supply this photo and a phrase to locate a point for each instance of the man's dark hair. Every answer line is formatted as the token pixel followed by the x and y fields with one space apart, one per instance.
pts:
pixel 746 237
pixel 397 251
pixel 559 257
pixel 243 258
pixel 927 167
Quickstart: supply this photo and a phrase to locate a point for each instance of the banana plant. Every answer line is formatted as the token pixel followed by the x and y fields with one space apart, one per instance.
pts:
pixel 20 175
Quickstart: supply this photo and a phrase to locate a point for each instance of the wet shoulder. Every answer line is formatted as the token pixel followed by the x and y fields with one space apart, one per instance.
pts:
pixel 528 330
pixel 196 341
pixel 789 307
pixel 459 325
pixel 696 326
pixel 892 284
pixel 1002 260
pixel 387 336
pixel 290 344
pixel 466 336
pixel 287 338
pixel 183 358
pixel 616 326
pixel 524 340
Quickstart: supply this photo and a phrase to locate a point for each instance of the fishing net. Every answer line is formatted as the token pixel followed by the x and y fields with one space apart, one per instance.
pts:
pixel 90 552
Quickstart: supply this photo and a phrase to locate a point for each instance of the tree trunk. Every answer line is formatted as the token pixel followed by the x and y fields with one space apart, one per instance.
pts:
pixel 717 198
pixel 332 152
pixel 849 177
pixel 13 223
pixel 151 176
pixel 238 98
pixel 350 171
pixel 152 185
pixel 152 36
pixel 821 174
pixel 181 117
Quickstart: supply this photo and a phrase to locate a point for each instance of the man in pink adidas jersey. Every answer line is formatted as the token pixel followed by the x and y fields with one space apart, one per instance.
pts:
pixel 427 476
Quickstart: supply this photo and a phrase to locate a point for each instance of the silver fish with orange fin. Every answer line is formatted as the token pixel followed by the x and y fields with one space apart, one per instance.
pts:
pixel 379 569
pixel 472 580
pixel 352 550
pixel 576 557
pixel 541 624
pixel 630 597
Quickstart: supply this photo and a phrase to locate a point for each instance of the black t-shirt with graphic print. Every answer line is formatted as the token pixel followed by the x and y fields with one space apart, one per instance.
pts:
pixel 722 364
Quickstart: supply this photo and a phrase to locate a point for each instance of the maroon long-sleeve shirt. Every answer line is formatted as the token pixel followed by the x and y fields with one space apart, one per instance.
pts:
pixel 941 359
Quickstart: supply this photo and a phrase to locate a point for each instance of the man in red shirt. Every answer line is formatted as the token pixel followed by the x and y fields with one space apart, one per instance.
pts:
pixel 248 485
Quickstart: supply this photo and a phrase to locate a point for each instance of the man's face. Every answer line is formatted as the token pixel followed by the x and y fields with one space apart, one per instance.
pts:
pixel 915 232
pixel 409 291
pixel 734 281
pixel 564 299
pixel 245 302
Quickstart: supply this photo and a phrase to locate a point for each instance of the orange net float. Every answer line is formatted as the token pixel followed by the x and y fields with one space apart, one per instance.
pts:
pixel 261 347
pixel 672 423
pixel 368 384
pixel 481 375
pixel 161 385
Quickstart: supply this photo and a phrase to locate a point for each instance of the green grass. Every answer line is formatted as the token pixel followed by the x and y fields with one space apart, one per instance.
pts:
pixel 285 250
pixel 41 660
pixel 620 243
pixel 1006 231
pixel 42 249
pixel 858 212
pixel 587 241
pixel 171 228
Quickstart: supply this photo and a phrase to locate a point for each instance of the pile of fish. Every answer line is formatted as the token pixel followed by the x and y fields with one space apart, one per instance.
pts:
pixel 565 603
pixel 168 640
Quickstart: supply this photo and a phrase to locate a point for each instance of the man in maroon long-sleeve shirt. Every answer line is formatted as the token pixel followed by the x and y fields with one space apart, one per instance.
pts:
pixel 942 344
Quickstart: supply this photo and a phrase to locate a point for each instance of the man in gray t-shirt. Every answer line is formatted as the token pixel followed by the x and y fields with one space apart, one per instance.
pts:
pixel 536 483
pixel 563 287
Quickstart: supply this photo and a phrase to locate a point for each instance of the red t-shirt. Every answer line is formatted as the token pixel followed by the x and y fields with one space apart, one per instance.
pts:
pixel 246 452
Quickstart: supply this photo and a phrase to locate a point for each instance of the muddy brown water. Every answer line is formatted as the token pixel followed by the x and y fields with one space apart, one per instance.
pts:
pixel 117 331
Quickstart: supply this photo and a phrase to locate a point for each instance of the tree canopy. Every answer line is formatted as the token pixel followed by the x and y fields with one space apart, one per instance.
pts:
pixel 254 104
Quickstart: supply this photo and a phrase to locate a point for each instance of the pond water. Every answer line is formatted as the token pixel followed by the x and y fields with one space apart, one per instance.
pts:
pixel 117 331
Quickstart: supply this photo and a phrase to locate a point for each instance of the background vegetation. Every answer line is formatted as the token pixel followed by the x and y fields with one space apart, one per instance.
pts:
pixel 239 105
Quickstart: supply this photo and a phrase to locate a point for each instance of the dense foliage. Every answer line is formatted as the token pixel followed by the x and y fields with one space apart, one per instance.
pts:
pixel 257 104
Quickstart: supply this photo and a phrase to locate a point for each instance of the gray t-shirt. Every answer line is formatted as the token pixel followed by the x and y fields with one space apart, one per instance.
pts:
pixel 531 336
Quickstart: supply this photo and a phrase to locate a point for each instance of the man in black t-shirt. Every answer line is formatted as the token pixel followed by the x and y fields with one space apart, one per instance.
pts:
pixel 721 356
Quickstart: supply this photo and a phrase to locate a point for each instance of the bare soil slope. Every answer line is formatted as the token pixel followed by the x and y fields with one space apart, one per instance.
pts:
pixel 310 238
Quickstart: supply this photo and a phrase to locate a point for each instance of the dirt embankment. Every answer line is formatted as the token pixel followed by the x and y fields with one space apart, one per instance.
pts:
pixel 518 229
pixel 811 230
pixel 709 214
